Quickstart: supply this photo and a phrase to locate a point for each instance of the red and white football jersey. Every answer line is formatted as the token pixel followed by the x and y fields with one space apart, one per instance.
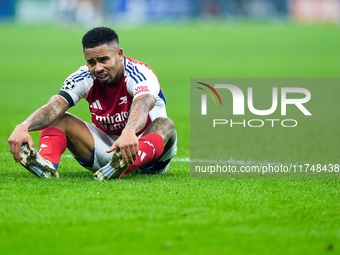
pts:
pixel 110 105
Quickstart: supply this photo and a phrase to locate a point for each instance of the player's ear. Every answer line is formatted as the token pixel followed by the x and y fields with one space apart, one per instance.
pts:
pixel 120 54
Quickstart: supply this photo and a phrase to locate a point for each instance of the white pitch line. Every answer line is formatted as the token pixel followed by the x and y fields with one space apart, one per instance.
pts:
pixel 225 162
pixel 230 161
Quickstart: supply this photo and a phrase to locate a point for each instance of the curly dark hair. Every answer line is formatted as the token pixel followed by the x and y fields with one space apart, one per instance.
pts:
pixel 98 36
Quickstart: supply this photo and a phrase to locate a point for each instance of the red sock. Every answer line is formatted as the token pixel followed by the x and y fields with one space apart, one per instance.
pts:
pixel 150 147
pixel 52 143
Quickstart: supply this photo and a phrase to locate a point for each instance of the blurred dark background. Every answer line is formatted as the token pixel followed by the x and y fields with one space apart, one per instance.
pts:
pixel 136 12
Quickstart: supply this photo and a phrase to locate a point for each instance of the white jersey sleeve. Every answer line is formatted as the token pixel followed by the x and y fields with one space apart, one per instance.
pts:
pixel 141 80
pixel 77 86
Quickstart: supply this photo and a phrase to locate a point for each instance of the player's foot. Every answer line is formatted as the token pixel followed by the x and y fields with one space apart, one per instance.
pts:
pixel 36 164
pixel 113 169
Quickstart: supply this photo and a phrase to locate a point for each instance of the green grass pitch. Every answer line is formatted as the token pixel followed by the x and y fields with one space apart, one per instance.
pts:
pixel 172 213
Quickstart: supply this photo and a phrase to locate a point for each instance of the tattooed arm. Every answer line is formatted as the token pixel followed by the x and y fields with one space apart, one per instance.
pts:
pixel 40 119
pixel 128 141
pixel 139 112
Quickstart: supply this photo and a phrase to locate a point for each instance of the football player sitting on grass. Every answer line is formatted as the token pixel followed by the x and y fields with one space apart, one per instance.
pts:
pixel 130 128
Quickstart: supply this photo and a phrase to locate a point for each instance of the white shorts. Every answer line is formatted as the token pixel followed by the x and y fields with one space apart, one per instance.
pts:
pixel 103 142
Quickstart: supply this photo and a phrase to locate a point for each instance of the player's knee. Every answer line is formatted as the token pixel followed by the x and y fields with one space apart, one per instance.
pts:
pixel 165 122
pixel 64 121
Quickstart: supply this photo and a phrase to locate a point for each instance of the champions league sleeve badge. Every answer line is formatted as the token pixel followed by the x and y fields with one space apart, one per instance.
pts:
pixel 68 84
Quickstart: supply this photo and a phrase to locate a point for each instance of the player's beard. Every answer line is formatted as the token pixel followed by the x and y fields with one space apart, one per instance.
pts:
pixel 113 77
pixel 107 82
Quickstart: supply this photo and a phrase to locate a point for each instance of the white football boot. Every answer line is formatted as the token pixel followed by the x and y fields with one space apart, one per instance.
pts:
pixel 113 169
pixel 36 164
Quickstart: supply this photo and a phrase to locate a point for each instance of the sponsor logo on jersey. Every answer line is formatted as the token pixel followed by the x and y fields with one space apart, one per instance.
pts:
pixel 114 122
pixel 68 84
pixel 141 89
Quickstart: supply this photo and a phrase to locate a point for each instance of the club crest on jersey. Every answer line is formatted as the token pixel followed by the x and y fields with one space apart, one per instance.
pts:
pixel 123 100
pixel 68 84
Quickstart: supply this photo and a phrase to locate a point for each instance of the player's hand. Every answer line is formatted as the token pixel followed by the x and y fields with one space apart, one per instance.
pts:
pixel 128 145
pixel 19 136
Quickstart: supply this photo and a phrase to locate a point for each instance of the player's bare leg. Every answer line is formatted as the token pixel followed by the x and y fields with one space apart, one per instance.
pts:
pixel 79 138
